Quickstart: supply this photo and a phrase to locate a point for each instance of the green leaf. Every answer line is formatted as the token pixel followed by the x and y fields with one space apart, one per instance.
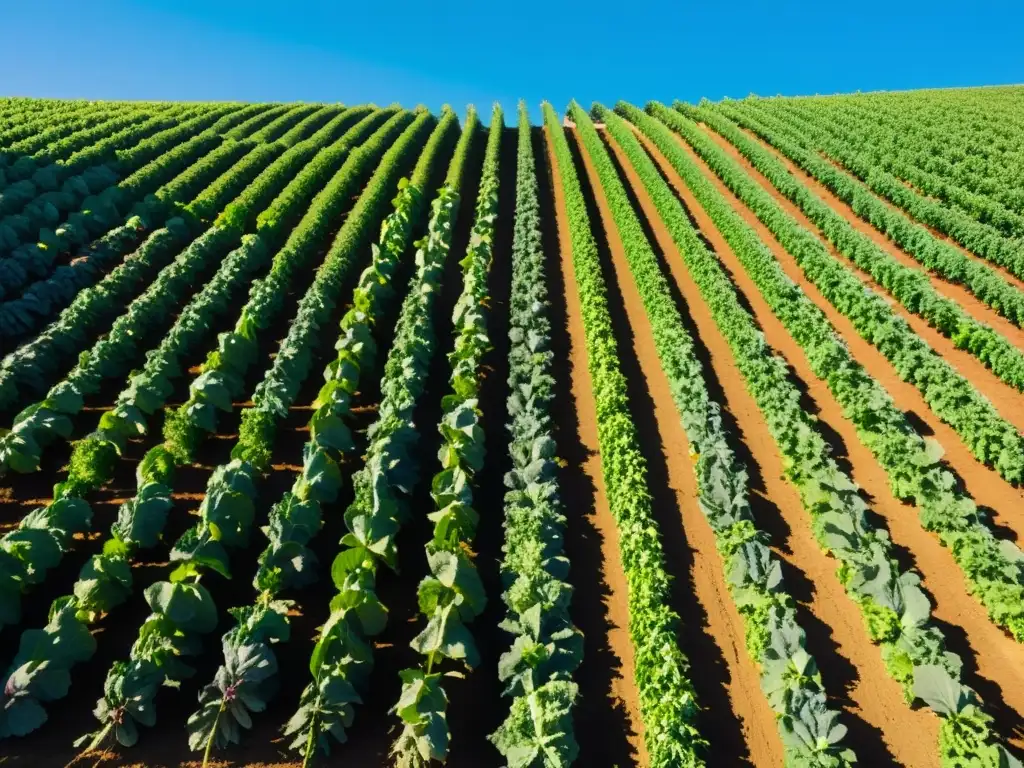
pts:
pixel 187 606
pixel 141 519
pixel 321 477
pixel 937 689
pixel 331 432
pixel 213 388
pixel 23 716
pixel 103 583
pixel 349 561
pixel 198 547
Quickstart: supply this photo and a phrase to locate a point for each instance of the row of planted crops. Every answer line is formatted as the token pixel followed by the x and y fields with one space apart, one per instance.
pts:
pixel 174 276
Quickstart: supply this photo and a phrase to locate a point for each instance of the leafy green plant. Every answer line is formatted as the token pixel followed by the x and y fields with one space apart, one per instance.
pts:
pixel 992 567
pixel 342 657
pixel 453 595
pixel 935 254
pixel 775 640
pixel 182 611
pixel 896 612
pixel 547 649
pixel 247 679
pixel 668 703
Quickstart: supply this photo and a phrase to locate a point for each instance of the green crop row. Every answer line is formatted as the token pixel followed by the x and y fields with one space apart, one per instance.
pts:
pixel 547 648
pixel 952 398
pixel 899 150
pixel 247 679
pixel 182 609
pixel 896 611
pixel 981 239
pixel 105 581
pixel 668 705
pixel 936 255
pixel 810 731
pixel 909 286
pixel 342 658
pixel 452 595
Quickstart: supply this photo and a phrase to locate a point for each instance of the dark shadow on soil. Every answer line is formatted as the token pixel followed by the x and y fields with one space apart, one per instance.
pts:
pixel 597 714
pixel 476 706
pixel 718 723
pixel 838 674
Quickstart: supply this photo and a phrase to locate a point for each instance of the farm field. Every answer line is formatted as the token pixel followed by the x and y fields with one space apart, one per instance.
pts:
pixel 655 435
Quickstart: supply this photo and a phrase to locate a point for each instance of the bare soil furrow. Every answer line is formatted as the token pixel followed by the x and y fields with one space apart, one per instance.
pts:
pixel 1005 398
pixel 605 677
pixel 992 659
pixel 907 737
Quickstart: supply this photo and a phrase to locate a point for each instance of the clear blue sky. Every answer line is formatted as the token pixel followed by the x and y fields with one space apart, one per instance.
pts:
pixel 461 52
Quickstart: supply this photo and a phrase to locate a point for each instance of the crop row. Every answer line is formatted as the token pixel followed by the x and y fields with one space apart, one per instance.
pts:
pixel 247 679
pixel 979 238
pixel 50 291
pixel 909 286
pixel 29 368
pixel 936 255
pixel 141 519
pixel 182 609
pixel 547 648
pixel 452 595
pixel 900 151
pixel 912 463
pixel 952 398
pixel 810 731
pixel 668 705
pixel 896 611
pixel 342 658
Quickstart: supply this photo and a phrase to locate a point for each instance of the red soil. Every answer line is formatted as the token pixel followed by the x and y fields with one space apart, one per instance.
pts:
pixel 953 291
pixel 623 692
pixel 907 736
pixel 1004 397
pixel 991 657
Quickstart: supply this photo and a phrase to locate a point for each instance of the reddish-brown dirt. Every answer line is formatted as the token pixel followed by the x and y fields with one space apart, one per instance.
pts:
pixel 705 578
pixel 992 659
pixel 953 291
pixel 166 745
pixel 856 668
pixel 985 485
pixel 735 716
pixel 1004 273
pixel 622 692
pixel 1005 398
pixel 599 712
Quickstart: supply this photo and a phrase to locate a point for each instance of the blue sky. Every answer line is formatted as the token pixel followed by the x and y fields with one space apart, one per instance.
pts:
pixel 478 52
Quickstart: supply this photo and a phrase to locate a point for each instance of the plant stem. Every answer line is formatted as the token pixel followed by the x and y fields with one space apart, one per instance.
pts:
pixel 309 744
pixel 94 744
pixel 213 735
